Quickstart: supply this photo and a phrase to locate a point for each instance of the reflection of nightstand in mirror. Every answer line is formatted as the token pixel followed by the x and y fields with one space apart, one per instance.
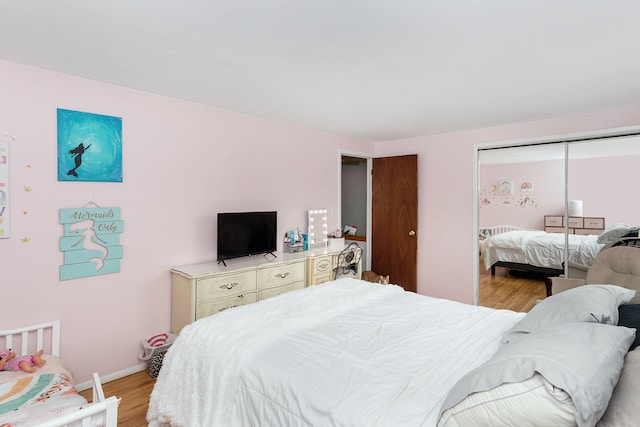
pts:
pixel 576 224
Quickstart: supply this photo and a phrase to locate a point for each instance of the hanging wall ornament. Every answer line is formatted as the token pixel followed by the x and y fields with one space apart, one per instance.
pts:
pixel 91 241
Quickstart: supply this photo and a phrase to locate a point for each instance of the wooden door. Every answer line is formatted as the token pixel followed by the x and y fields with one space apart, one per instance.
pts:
pixel 394 219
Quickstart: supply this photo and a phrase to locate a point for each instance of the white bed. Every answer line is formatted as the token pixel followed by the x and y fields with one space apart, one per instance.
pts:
pixel 47 397
pixel 538 249
pixel 353 353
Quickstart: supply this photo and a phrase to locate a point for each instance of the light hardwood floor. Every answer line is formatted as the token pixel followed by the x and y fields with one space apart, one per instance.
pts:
pixel 499 291
pixel 506 292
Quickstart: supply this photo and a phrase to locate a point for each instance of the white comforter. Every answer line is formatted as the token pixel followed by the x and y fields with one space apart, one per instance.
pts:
pixel 538 248
pixel 344 353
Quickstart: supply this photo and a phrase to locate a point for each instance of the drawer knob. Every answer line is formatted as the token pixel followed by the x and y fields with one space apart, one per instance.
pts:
pixel 282 275
pixel 229 285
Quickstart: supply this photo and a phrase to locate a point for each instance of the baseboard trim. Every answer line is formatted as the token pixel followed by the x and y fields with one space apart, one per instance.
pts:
pixel 112 377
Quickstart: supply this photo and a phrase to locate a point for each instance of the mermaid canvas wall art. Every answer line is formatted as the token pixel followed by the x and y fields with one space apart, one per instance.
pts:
pixel 89 147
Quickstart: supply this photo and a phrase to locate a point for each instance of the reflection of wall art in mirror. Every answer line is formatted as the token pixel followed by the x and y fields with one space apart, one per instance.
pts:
pixel 526 187
pixel 507 201
pixel 527 201
pixel 505 187
pixel 488 195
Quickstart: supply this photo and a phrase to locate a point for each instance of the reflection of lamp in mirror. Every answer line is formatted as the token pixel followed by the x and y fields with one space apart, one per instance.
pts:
pixel 575 207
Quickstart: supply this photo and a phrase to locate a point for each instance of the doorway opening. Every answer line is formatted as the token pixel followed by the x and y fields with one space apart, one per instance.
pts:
pixel 355 202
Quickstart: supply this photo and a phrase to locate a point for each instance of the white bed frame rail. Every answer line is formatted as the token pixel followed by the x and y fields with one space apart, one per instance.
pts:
pixel 499 229
pixel 27 334
pixel 102 411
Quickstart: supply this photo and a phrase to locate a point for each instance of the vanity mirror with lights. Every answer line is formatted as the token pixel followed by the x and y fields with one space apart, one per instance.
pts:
pixel 573 191
pixel 317 233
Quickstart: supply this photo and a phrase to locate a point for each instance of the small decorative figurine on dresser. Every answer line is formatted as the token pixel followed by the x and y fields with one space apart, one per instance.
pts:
pixel 28 363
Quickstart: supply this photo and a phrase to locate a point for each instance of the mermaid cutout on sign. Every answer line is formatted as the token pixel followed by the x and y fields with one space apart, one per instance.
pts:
pixel 89 240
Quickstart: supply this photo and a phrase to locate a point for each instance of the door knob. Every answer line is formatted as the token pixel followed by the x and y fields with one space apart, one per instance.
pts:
pixel 412 233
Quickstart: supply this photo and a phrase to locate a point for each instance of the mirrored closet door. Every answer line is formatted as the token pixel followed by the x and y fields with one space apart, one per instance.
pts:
pixel 558 202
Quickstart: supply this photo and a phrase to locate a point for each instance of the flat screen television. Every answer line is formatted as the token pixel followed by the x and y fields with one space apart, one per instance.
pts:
pixel 246 233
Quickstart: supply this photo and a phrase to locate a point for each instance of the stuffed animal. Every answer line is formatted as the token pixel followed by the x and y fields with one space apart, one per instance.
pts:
pixel 10 362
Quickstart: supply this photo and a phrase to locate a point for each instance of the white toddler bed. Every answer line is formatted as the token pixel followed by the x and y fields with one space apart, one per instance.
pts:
pixel 47 397
pixel 487 231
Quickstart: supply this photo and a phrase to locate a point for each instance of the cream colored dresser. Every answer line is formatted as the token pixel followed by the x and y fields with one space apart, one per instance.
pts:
pixel 321 264
pixel 200 290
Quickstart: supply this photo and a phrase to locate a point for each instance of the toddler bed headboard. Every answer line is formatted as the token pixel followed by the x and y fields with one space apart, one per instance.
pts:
pixel 30 339
pixel 498 229
pixel 46 336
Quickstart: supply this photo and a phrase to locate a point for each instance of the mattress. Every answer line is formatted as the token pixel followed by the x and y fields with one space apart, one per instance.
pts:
pixel 538 248
pixel 31 399
pixel 346 353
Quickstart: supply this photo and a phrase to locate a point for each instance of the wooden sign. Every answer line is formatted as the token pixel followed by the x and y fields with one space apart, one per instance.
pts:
pixel 91 241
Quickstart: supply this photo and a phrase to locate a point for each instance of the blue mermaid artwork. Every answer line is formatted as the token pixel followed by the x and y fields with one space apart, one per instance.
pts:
pixel 89 147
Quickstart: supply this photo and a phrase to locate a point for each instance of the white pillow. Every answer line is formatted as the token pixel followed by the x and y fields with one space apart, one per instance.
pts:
pixel 588 303
pixel 614 233
pixel 511 403
pixel 583 359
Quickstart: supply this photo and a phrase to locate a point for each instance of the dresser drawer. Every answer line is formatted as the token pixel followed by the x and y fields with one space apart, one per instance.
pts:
pixel 576 222
pixel 321 264
pixel 553 221
pixel 281 274
pixel 587 231
pixel 225 285
pixel 317 279
pixel 215 306
pixel 271 292
pixel 555 230
pixel 596 223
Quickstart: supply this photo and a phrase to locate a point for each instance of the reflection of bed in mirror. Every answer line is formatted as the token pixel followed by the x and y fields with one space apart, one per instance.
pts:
pixel 579 271
pixel 537 251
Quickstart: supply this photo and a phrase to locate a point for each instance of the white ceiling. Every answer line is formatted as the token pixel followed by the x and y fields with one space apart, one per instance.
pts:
pixel 371 69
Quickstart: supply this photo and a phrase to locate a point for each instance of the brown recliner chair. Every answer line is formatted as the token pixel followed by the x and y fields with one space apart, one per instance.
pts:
pixel 619 265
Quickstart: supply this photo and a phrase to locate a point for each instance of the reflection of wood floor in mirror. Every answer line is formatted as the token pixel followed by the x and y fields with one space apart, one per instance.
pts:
pixel 509 292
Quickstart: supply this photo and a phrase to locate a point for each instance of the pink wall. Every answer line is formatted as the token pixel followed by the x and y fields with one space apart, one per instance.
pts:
pixel 524 209
pixel 606 187
pixel 603 185
pixel 183 162
pixel 446 196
